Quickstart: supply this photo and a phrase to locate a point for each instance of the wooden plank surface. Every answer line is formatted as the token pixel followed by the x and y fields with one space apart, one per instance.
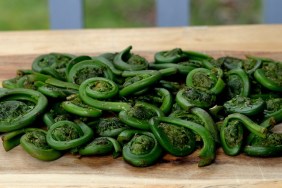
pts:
pixel 230 38
pixel 18 169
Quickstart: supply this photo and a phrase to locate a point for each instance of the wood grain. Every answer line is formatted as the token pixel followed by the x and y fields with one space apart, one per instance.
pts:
pixel 18 169
pixel 232 38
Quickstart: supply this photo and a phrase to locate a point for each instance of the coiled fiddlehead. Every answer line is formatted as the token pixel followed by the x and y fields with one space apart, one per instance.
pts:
pixel 160 97
pixel 269 75
pixel 128 61
pixel 108 127
pixel 65 135
pixel 178 141
pixel 172 56
pixel 229 63
pixel 139 115
pixel 199 116
pixel 35 144
pixel 53 64
pixel 270 146
pixel 231 132
pixel 238 83
pixel 88 69
pixel 102 146
pixel 273 109
pixel 20 108
pixel 142 148
pixel 189 97
pixel 57 113
pixel 207 153
pixel 94 89
pixel 207 79
pixel 252 64
pixel 244 105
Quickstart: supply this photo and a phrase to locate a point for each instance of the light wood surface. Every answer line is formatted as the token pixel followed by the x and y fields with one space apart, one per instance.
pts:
pixel 18 169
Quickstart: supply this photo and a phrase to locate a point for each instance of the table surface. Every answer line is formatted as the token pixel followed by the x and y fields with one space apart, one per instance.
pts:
pixel 18 49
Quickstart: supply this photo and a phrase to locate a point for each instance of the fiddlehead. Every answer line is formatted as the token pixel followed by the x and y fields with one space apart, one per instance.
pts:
pixel 206 79
pixel 207 153
pixel 20 108
pixel 108 127
pixel 269 75
pixel 178 141
pixel 94 89
pixel 75 105
pixel 53 64
pixel 189 97
pixel 238 83
pixel 102 146
pixel 270 146
pixel 138 83
pixel 229 63
pixel 244 105
pixel 88 69
pixel 139 115
pixel 160 97
pixel 199 116
pixel 129 61
pixel 35 144
pixel 273 109
pixel 65 135
pixel 142 148
pixel 54 88
pixel 231 132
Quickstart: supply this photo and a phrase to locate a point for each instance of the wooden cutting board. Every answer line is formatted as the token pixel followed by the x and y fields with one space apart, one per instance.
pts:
pixel 18 169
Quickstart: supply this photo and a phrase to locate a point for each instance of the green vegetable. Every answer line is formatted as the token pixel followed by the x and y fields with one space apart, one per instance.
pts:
pixel 189 97
pixel 160 97
pixel 274 109
pixel 231 132
pixel 199 116
pixel 138 83
pixel 269 75
pixel 74 105
pixel 64 135
pixel 34 143
pixel 230 63
pixel 116 102
pixel 20 108
pixel 206 79
pixel 12 139
pixel 88 69
pixel 244 105
pixel 101 146
pixel 53 64
pixel 142 149
pixel 108 127
pixel 139 115
pixel 56 88
pixel 86 95
pixel 178 141
pixel 207 153
pixel 270 146
pixel 171 56
pixel 238 83
pixel 128 61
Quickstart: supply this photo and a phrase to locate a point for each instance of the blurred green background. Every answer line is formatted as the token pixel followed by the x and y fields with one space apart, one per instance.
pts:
pixel 33 14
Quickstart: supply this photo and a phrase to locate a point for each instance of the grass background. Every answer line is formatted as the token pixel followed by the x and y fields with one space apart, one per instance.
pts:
pixel 33 14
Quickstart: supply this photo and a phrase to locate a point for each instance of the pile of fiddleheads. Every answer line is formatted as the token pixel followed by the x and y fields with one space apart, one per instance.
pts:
pixel 120 103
